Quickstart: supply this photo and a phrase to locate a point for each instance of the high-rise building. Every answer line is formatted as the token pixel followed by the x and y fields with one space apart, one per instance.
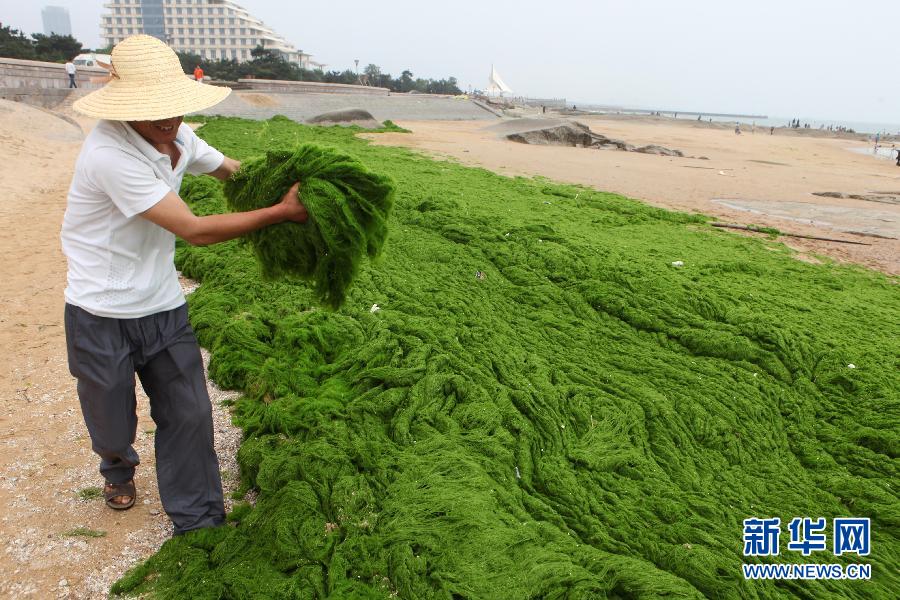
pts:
pixel 214 29
pixel 56 20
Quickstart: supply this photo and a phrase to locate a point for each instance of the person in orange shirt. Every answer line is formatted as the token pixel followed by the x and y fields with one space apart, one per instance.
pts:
pixel 198 73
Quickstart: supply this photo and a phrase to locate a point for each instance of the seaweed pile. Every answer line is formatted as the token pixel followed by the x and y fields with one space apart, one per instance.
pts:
pixel 348 209
pixel 527 398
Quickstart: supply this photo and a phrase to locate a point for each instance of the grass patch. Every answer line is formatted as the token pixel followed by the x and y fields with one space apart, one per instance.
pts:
pixel 390 126
pixel 85 532
pixel 90 493
pixel 580 421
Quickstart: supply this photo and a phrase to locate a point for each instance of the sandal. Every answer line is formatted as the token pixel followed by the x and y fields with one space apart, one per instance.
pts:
pixel 114 490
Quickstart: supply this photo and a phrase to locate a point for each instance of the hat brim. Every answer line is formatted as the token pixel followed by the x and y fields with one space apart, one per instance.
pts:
pixel 121 101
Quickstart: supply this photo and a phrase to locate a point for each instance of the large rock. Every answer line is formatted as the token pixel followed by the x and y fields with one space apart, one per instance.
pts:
pixel 660 150
pixel 605 143
pixel 565 134
pixel 346 117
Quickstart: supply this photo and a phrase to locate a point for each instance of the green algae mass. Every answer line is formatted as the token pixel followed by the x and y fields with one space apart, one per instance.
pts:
pixel 543 406
pixel 348 209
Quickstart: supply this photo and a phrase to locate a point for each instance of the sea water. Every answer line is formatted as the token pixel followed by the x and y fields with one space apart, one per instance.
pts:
pixel 761 122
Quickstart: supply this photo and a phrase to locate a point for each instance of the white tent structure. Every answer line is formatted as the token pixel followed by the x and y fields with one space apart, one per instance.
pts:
pixel 496 86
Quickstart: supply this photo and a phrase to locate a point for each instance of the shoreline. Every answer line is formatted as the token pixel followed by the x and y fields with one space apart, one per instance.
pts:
pixel 782 169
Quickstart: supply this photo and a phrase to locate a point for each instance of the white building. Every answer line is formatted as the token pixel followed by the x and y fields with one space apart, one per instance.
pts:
pixel 214 29
pixel 56 20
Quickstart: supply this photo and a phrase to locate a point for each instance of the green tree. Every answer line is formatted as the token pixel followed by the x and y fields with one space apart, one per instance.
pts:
pixel 373 71
pixel 189 60
pixel 55 48
pixel 406 82
pixel 14 44
pixel 346 76
pixel 270 64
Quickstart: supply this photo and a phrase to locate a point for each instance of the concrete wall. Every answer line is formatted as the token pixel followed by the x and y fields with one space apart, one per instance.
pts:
pixel 310 87
pixel 38 75
pixel 300 107
pixel 548 102
pixel 50 98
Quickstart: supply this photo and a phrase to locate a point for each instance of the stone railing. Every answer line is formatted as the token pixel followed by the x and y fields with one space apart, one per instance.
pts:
pixel 309 87
pixel 39 75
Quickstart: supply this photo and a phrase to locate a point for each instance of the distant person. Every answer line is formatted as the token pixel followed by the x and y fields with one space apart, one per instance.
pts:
pixel 70 71
pixel 737 129
pixel 898 156
pixel 198 73
pixel 772 130
pixel 699 117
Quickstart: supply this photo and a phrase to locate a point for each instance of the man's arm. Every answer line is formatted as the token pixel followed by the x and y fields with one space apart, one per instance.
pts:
pixel 225 170
pixel 173 214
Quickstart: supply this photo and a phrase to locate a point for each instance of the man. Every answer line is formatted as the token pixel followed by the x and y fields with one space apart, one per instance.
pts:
pixel 198 74
pixel 125 312
pixel 70 71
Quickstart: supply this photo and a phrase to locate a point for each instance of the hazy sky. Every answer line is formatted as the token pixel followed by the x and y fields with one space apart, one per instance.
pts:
pixel 812 59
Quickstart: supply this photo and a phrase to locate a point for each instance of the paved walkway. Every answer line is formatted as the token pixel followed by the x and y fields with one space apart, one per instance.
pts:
pixel 299 107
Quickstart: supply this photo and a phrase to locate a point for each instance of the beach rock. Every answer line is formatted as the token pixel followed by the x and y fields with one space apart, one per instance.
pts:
pixel 605 143
pixel 566 134
pixel 659 150
pixel 346 117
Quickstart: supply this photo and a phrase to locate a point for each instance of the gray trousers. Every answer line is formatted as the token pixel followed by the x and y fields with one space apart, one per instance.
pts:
pixel 104 355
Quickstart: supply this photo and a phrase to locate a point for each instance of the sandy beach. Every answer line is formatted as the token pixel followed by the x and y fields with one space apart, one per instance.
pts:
pixel 46 461
pixel 760 179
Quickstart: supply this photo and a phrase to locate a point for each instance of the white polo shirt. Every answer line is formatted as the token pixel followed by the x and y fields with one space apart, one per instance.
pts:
pixel 120 264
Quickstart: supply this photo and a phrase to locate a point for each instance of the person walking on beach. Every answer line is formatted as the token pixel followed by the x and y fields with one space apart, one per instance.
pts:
pixel 70 71
pixel 125 312
pixel 198 74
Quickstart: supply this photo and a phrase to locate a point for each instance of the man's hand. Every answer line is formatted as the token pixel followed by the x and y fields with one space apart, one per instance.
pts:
pixel 290 204
pixel 226 169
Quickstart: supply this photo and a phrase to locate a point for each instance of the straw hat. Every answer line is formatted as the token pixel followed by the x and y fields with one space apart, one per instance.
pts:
pixel 148 84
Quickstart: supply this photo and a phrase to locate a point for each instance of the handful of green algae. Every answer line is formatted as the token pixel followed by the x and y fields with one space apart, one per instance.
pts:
pixel 348 209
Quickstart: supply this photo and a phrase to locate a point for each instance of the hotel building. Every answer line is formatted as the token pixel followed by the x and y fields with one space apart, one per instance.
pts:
pixel 214 29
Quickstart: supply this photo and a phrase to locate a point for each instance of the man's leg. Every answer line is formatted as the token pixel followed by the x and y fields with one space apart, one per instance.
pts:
pixel 187 468
pixel 100 358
